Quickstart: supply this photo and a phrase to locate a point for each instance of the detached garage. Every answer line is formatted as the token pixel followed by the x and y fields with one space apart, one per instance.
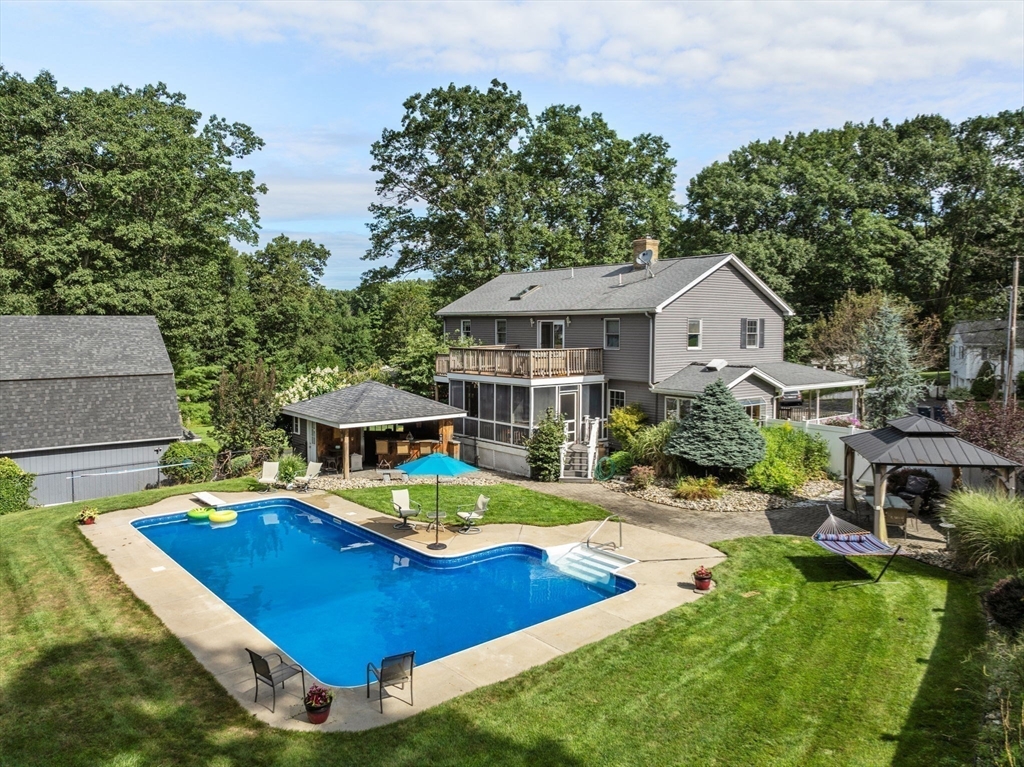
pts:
pixel 86 403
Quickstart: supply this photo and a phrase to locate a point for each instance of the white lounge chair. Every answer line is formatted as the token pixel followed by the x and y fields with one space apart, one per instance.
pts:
pixel 269 477
pixel 404 508
pixel 473 515
pixel 209 499
pixel 312 472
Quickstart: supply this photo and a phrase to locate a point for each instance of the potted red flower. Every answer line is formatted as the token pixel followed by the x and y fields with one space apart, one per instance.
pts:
pixel 87 516
pixel 318 704
pixel 702 578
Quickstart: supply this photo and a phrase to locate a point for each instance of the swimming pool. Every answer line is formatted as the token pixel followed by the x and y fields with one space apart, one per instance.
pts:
pixel 334 595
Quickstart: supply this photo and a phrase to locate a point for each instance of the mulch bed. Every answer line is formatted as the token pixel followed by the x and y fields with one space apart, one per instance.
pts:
pixel 735 498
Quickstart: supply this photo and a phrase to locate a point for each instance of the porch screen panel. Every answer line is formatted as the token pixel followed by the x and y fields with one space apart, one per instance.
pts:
pixel 521 405
pixel 543 398
pixel 487 401
pixel 503 404
pixel 472 406
pixel 593 401
pixel 455 394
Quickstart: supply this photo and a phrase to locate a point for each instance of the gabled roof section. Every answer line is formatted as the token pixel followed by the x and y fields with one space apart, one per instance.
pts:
pixel 987 333
pixel 599 289
pixel 41 347
pixel 920 441
pixel 370 403
pixel 782 375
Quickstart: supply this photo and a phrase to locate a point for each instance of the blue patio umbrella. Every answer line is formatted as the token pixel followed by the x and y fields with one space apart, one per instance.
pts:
pixel 440 465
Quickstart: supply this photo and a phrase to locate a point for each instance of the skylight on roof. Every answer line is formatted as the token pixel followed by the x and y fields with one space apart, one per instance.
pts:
pixel 524 291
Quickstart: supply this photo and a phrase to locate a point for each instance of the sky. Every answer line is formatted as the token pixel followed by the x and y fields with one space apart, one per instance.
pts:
pixel 319 81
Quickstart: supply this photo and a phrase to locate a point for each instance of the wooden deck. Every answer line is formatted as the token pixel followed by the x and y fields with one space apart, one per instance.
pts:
pixel 520 363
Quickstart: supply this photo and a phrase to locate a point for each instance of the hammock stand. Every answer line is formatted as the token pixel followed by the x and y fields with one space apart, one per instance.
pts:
pixel 837 536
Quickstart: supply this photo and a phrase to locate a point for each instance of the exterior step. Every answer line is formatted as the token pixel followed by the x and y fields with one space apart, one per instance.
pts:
pixel 587 564
pixel 578 480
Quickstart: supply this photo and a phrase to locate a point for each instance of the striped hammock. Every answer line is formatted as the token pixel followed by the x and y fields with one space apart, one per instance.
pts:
pixel 838 536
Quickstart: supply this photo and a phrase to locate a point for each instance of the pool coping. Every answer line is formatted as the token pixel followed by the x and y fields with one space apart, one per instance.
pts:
pixel 217 635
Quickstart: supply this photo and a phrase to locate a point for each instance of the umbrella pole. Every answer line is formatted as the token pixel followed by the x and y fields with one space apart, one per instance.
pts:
pixel 437 515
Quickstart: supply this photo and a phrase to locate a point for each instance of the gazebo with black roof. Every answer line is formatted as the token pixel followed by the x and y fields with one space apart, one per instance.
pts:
pixel 917 441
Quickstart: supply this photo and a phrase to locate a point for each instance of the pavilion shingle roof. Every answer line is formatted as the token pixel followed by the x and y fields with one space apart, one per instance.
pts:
pixel 370 402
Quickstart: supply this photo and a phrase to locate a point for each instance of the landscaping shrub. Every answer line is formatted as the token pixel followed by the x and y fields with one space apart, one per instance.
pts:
pixel 625 422
pixel 791 458
pixel 641 476
pixel 648 447
pixel 984 385
pixel 698 488
pixel 290 467
pixel 989 528
pixel 15 486
pixel 543 449
pixel 622 460
pixel 194 414
pixel 200 469
pixel 717 433
pixel 240 464
pixel 1005 602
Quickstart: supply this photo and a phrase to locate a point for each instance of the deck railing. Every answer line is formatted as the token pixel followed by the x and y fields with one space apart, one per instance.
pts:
pixel 520 363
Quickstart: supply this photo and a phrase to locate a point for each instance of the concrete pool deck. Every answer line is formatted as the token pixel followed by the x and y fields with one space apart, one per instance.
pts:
pixel 217 636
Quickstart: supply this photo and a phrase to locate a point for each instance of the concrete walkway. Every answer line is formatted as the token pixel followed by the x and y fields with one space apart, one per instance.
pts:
pixel 803 518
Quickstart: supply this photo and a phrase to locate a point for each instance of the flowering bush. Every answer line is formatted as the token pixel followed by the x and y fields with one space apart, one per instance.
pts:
pixel 87 513
pixel 642 476
pixel 322 380
pixel 318 697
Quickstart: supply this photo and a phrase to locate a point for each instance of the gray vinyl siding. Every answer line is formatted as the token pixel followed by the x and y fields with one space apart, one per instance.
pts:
pixel 54 469
pixel 753 388
pixel 639 393
pixel 721 301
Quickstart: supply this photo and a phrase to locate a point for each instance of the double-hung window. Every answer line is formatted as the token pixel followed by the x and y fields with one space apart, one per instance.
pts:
pixel 616 398
pixel 465 329
pixel 676 407
pixel 752 336
pixel 501 332
pixel 611 334
pixel 693 334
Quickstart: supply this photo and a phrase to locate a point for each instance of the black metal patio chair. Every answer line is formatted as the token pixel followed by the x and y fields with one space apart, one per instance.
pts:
pixel 279 673
pixel 394 671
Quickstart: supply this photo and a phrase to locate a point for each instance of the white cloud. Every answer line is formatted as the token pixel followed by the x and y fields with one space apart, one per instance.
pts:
pixel 732 46
pixel 293 198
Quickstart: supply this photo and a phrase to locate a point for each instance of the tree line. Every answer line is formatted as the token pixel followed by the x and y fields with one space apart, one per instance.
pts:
pixel 125 201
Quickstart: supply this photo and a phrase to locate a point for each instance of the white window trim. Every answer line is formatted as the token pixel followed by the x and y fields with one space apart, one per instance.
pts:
pixel 679 405
pixel 500 319
pixel 700 335
pixel 462 329
pixel 757 333
pixel 619 334
pixel 555 322
pixel 616 391
pixel 296 427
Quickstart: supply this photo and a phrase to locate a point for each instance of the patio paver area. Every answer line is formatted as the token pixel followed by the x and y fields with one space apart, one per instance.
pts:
pixel 218 636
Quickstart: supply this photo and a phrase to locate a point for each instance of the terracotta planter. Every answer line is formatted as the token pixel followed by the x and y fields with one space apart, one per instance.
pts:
pixel 318 714
pixel 90 521
pixel 702 584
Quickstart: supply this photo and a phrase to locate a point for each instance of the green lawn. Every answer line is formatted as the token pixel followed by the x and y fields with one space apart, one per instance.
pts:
pixel 206 433
pixel 509 503
pixel 775 667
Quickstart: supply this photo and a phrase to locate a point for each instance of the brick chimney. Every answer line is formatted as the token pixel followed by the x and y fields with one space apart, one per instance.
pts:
pixel 639 246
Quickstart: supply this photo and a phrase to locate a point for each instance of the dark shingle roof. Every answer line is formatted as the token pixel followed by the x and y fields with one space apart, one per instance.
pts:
pixel 370 403
pixel 987 333
pixel 920 441
pixel 77 347
pixel 68 381
pixel 695 376
pixel 608 287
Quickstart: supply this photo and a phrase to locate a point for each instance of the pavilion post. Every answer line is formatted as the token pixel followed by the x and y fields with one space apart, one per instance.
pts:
pixel 958 478
pixel 849 502
pixel 345 460
pixel 881 476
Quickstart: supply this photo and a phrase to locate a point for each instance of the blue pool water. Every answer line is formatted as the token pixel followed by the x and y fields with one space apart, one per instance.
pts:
pixel 335 596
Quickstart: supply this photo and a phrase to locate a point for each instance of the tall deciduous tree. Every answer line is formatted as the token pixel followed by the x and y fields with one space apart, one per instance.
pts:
pixel 122 202
pixel 889 359
pixel 245 406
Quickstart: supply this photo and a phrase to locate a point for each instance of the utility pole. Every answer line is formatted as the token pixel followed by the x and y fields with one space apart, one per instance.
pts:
pixel 1010 385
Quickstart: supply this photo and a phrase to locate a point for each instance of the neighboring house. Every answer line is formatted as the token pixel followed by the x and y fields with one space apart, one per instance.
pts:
pixel 972 344
pixel 86 403
pixel 585 340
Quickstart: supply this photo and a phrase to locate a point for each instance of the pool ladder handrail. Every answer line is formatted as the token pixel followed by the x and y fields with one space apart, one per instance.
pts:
pixel 597 529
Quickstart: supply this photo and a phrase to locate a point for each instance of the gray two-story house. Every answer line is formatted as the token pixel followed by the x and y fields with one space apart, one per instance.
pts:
pixel 585 340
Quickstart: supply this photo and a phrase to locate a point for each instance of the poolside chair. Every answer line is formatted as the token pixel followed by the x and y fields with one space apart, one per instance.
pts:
pixel 838 536
pixel 312 472
pixel 471 515
pixel 394 671
pixel 381 446
pixel 404 508
pixel 269 477
pixel 263 672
